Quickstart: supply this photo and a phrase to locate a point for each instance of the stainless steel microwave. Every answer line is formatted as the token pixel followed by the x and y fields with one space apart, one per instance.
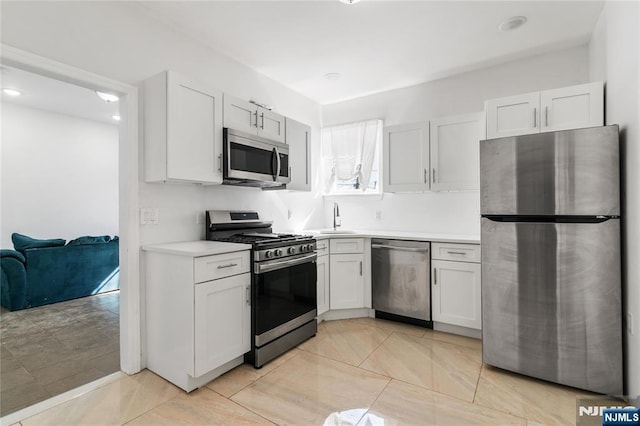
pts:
pixel 251 160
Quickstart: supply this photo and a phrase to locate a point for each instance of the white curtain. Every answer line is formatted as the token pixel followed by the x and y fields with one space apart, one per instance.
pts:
pixel 349 151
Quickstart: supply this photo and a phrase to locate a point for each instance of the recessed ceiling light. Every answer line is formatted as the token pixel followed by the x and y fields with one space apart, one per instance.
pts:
pixel 349 1
pixel 107 97
pixel 116 117
pixel 332 76
pixel 11 92
pixel 512 23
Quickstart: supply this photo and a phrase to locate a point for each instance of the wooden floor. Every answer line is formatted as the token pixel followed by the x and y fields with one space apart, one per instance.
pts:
pixel 51 349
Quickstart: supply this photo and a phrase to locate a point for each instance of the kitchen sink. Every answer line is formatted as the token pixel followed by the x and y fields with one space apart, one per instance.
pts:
pixel 337 231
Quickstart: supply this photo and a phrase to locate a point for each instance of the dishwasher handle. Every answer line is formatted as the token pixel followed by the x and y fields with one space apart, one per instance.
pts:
pixel 385 246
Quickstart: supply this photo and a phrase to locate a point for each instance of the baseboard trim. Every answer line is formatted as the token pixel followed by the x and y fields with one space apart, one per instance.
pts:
pixel 456 329
pixel 34 409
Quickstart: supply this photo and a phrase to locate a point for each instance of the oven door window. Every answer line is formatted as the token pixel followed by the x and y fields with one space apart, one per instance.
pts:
pixel 284 294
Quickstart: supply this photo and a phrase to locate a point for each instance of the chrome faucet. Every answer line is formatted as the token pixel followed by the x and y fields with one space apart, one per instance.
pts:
pixel 336 216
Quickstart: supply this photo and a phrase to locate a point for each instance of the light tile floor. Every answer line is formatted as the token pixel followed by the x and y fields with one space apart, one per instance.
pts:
pixel 361 371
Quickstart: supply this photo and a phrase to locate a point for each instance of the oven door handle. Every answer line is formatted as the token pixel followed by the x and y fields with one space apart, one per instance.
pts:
pixel 280 264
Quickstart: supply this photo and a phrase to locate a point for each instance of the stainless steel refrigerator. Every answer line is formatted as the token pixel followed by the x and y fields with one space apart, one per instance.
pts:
pixel 551 273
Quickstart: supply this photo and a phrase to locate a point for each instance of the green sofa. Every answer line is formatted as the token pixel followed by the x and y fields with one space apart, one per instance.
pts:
pixel 40 272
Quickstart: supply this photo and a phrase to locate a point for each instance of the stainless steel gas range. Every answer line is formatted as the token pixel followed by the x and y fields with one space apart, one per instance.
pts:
pixel 283 288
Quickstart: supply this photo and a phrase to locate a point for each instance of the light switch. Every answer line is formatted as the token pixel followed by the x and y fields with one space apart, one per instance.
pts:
pixel 149 216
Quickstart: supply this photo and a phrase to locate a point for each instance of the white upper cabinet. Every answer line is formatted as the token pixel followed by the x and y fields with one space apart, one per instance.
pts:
pixel 572 107
pixel 550 110
pixel 298 137
pixel 406 158
pixel 455 152
pixel 513 115
pixel 251 118
pixel 183 130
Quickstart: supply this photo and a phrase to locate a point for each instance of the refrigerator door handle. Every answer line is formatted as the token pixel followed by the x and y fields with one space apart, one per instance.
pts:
pixel 549 219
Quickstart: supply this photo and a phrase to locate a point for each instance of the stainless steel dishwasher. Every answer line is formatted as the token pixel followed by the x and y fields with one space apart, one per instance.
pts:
pixel 401 288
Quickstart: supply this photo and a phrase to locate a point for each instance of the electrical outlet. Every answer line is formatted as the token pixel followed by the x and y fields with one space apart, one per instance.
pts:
pixel 289 214
pixel 378 215
pixel 149 216
pixel 630 323
pixel 199 218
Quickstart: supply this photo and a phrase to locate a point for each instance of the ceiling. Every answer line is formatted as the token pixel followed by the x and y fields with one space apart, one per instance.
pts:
pixel 374 45
pixel 54 95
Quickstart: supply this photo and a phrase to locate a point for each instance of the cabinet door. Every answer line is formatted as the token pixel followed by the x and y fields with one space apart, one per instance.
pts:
pixel 455 152
pixel 455 293
pixel 298 137
pixel 222 321
pixel 513 115
pixel 323 284
pixel 240 115
pixel 194 131
pixel 572 107
pixel 271 125
pixel 406 158
pixel 346 281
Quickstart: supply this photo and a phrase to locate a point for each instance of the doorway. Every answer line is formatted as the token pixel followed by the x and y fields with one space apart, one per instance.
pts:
pixel 128 299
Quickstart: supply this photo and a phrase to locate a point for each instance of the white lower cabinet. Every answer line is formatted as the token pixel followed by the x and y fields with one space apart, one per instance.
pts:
pixel 323 284
pixel 222 321
pixel 455 285
pixel 347 281
pixel 198 315
pixel 347 273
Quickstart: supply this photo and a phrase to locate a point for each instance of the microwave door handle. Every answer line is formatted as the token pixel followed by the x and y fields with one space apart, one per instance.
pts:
pixel 279 164
pixel 274 163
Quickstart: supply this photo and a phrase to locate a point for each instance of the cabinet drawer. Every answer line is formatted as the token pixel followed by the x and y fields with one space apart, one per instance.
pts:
pixel 346 245
pixel 209 268
pixel 459 252
pixel 322 247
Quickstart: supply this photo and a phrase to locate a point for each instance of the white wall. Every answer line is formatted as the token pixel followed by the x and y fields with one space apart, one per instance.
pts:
pixel 614 52
pixel 454 212
pixel 59 175
pixel 121 41
pixel 84 35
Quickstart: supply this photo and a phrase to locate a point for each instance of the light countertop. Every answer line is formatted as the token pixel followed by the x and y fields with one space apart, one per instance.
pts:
pixel 401 235
pixel 196 248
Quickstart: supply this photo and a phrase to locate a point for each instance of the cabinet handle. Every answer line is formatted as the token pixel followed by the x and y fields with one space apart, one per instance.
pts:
pixel 457 252
pixel 535 117
pixel 262 122
pixel 230 265
pixel 255 114
pixel 425 175
pixel 361 268
pixel 546 116
pixel 248 295
pixel 220 162
pixel 435 277
pixel 434 176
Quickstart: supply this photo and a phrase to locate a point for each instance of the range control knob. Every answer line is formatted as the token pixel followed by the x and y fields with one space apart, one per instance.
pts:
pixel 278 252
pixel 309 247
pixel 268 254
pixel 291 250
pixel 303 248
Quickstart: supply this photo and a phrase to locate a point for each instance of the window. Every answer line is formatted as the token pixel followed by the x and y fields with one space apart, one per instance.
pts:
pixel 350 158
